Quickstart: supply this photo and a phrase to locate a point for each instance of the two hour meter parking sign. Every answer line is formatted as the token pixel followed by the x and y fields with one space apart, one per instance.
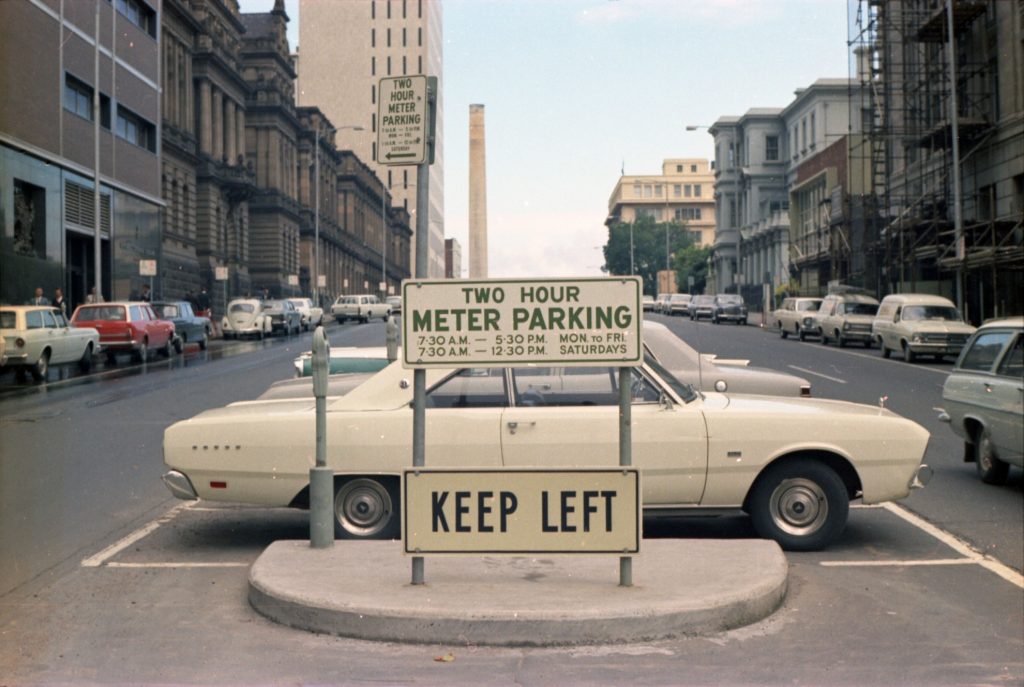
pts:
pixel 496 323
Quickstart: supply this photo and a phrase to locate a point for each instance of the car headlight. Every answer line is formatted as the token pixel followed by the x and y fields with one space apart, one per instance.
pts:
pixel 917 338
pixel 846 326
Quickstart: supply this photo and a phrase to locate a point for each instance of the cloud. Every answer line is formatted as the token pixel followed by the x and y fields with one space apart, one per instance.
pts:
pixel 724 13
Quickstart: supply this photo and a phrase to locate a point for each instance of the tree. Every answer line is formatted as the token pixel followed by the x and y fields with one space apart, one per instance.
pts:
pixel 649 248
pixel 692 262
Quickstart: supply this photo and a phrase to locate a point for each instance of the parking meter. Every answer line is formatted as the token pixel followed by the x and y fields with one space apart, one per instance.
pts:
pixel 321 362
pixel 392 339
pixel 321 478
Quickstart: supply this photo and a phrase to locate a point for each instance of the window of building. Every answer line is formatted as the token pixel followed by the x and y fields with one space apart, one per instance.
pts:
pixel 373 66
pixel 389 38
pixel 647 191
pixel 795 141
pixel 419 9
pixel 373 122
pixel 373 94
pixel 140 14
pixel 693 168
pixel 679 169
pixel 78 99
pixel 403 9
pixel 696 190
pixel 389 8
pixel 638 191
pixel 803 134
pixel 657 190
pixel 389 66
pixel 649 213
pixel 405 178
pixel 404 68
pixel 419 37
pixel 732 155
pixel 687 213
pixel 814 135
pixel 30 219
pixel 373 38
pixel 771 148
pixel 403 28
pixel 687 191
pixel 677 190
pixel 419 62
pixel 373 9
pixel 134 129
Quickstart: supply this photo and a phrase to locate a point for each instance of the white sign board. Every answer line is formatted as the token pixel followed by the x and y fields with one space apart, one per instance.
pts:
pixel 321 280
pixel 402 120
pixel 383 286
pixel 220 273
pixel 524 511
pixel 147 268
pixel 293 280
pixel 496 323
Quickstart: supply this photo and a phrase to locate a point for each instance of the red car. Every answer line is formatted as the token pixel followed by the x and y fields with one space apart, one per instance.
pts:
pixel 127 327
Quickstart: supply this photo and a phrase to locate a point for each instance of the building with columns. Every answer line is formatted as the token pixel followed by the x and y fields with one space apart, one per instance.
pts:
pixel 757 157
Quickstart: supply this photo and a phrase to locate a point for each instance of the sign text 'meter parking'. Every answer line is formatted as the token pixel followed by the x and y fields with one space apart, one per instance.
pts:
pixel 497 322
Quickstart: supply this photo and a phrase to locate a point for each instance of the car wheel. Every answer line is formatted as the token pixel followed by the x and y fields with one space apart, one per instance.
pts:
pixel 782 332
pixel 41 367
pixel 168 349
pixel 366 508
pixel 142 352
pixel 179 345
pixel 85 364
pixel 908 355
pixel 111 358
pixel 714 320
pixel 824 339
pixel 204 342
pixel 801 334
pixel 261 335
pixel 801 504
pixel 840 340
pixel 991 470
pixel 885 351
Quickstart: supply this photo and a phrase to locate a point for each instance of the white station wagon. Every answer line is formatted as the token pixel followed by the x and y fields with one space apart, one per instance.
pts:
pixel 36 337
pixel 362 307
pixel 793 464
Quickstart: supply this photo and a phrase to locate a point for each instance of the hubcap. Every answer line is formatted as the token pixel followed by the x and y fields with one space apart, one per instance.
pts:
pixel 799 506
pixel 985 454
pixel 363 507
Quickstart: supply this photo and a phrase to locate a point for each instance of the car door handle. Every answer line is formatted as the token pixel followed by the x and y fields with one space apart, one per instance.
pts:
pixel 513 426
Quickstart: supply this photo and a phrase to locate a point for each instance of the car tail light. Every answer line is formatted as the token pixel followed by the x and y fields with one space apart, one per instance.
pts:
pixel 218 485
pixel 805 391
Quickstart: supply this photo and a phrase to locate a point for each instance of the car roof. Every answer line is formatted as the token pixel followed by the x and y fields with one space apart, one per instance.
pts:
pixel 918 299
pixel 1015 322
pixel 26 308
pixel 853 298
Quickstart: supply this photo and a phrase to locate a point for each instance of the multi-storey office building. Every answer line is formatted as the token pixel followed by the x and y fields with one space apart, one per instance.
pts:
pixel 48 140
pixel 923 233
pixel 345 48
pixel 683 192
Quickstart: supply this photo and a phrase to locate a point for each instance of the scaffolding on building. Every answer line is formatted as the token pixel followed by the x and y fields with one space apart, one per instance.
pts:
pixel 909 237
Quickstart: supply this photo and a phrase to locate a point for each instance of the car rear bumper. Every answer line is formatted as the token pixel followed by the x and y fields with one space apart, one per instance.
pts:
pixel 179 485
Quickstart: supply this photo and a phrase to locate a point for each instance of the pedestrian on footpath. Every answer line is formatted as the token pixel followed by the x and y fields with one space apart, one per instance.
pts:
pixel 93 296
pixel 145 297
pixel 59 302
pixel 39 298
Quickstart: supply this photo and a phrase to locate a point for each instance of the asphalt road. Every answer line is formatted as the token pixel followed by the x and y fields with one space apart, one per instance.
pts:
pixel 105 578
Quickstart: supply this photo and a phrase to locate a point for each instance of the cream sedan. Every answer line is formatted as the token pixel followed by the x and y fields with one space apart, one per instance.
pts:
pixel 793 464
pixel 36 337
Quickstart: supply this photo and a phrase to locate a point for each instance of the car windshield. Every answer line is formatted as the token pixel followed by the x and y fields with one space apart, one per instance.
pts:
pixel 680 298
pixel 274 305
pixel 112 313
pixel 8 320
pixel 859 308
pixel 730 300
pixel 166 311
pixel 704 300
pixel 242 307
pixel 931 312
pixel 808 306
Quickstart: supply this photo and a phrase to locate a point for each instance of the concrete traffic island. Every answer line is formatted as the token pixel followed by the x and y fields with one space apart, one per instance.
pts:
pixel 362 590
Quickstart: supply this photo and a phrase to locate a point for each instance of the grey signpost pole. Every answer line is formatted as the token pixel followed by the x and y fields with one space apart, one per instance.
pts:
pixel 321 478
pixel 625 455
pixel 419 379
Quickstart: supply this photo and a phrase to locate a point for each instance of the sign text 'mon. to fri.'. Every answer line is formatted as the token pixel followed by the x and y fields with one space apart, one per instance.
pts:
pixel 496 323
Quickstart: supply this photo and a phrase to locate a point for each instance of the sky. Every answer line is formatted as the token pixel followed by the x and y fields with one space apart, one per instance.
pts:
pixel 576 91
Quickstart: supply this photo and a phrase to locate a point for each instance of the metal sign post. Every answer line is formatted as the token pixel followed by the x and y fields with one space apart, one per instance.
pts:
pixel 406 109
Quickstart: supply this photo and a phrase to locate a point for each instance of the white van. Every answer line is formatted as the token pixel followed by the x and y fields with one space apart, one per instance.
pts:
pixel 914 324
pixel 846 317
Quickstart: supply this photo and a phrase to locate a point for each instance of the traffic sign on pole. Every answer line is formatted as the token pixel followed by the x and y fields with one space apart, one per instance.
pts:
pixel 402 120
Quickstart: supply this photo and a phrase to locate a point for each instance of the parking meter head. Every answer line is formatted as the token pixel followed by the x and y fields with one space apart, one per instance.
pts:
pixel 321 362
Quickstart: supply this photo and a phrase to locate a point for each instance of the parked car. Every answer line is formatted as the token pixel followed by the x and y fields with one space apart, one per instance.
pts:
pixel 789 316
pixel 362 307
pixel 919 324
pixel 246 318
pixel 661 303
pixel 188 327
pixel 984 398
pixel 679 304
pixel 701 306
pixel 846 317
pixel 34 338
pixel 127 327
pixel 310 315
pixel 396 304
pixel 767 456
pixel 729 306
pixel 648 303
pixel 283 316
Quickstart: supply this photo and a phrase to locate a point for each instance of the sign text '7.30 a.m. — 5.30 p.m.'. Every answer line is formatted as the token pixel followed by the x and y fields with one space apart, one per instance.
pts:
pixel 481 323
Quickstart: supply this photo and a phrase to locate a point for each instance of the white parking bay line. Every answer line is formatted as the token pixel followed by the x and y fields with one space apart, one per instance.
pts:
pixel 122 544
pixel 971 556
pixel 817 374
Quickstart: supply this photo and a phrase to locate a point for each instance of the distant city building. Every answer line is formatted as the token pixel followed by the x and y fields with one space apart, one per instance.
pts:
pixel 345 48
pixel 683 192
pixel 757 158
pixel 452 259
pixel 47 143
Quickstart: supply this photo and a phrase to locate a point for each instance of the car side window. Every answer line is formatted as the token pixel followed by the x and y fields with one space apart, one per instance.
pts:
pixel 1013 361
pixel 60 319
pixel 577 386
pixel 48 320
pixel 136 313
pixel 470 388
pixel 981 356
pixel 34 319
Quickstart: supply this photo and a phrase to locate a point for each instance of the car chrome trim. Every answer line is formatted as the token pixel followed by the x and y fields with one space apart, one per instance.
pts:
pixel 180 485
pixel 922 476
